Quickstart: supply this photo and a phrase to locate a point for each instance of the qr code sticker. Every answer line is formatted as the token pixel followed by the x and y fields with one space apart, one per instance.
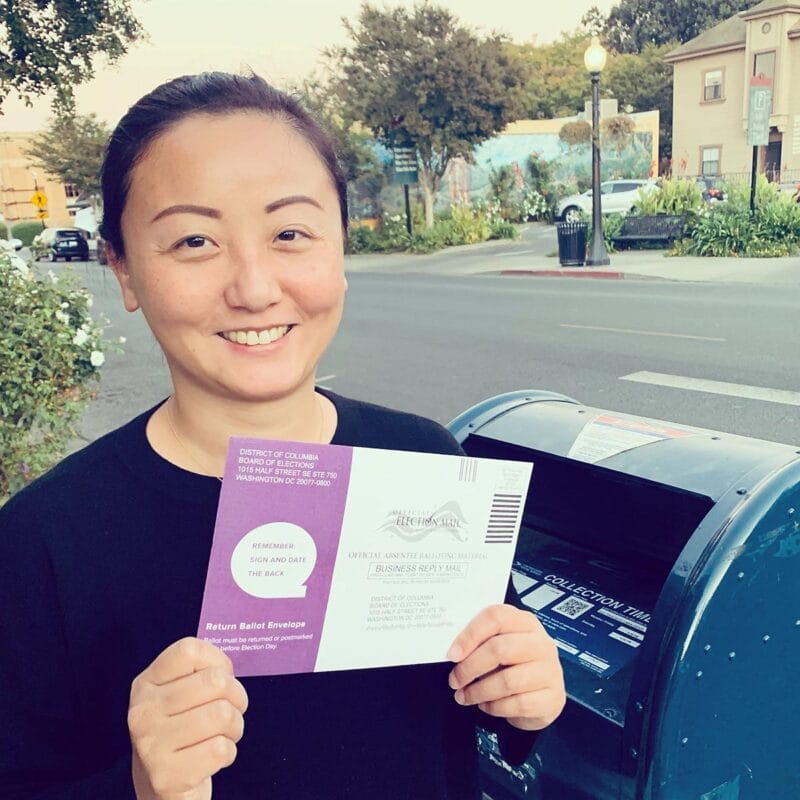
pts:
pixel 572 607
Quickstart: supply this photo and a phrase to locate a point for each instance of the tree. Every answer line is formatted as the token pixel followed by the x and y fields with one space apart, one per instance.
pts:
pixel 71 149
pixel 593 21
pixel 558 85
pixel 644 82
pixel 420 78
pixel 633 24
pixel 48 45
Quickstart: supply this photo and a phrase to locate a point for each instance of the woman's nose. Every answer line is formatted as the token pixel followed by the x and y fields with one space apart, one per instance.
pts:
pixel 254 284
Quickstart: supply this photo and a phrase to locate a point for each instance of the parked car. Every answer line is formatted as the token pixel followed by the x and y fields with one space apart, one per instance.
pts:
pixel 616 196
pixel 792 188
pixel 66 243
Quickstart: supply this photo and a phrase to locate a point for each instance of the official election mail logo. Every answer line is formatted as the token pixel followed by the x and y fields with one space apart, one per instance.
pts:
pixel 414 525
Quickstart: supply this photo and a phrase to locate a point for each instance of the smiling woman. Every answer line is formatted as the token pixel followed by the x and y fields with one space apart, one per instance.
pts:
pixel 224 214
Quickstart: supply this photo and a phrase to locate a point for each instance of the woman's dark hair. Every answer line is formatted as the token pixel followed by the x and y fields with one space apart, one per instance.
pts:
pixel 206 93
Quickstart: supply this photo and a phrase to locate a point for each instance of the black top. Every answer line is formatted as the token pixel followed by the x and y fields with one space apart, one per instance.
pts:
pixel 102 565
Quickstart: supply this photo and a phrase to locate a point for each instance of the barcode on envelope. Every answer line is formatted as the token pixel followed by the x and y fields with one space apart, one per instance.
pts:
pixel 503 517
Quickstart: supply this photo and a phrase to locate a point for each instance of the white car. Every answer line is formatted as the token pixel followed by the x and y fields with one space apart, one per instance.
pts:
pixel 615 196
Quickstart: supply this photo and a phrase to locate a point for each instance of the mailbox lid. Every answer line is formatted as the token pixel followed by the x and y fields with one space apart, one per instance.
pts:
pixel 697 460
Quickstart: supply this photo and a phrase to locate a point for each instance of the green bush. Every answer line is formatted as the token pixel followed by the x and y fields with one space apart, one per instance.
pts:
pixel 363 240
pixel 467 225
pixel 427 240
pixel 729 229
pixel 612 225
pixel 26 231
pixel 502 229
pixel 51 351
pixel 679 197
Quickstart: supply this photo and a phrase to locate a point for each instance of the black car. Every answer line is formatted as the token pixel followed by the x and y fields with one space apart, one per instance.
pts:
pixel 69 244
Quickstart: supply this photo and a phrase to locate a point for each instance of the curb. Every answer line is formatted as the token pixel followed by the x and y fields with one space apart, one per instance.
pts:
pixel 562 273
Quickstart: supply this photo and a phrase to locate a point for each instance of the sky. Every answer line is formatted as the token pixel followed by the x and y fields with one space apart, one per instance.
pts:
pixel 282 41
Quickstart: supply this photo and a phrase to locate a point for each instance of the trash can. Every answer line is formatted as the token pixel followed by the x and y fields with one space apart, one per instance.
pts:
pixel 665 562
pixel 572 243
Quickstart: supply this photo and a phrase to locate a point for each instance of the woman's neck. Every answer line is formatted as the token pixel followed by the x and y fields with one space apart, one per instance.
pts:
pixel 192 429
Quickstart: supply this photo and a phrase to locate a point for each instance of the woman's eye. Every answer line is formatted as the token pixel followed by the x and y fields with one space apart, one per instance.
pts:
pixel 290 236
pixel 194 242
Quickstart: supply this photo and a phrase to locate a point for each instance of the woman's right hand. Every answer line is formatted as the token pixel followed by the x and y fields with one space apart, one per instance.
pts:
pixel 184 718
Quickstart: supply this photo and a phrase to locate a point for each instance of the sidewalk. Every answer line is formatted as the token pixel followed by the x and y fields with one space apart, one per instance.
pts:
pixel 652 264
pixel 500 258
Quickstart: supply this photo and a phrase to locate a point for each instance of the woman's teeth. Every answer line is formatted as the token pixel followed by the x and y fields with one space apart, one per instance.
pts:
pixel 256 337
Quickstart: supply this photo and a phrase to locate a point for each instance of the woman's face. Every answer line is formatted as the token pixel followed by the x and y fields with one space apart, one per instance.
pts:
pixel 234 253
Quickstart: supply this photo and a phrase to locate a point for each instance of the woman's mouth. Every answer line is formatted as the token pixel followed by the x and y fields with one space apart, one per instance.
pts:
pixel 254 337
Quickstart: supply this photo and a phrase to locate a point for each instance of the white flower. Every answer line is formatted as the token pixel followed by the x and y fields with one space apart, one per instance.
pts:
pixel 62 317
pixel 65 305
pixel 89 302
pixel 81 337
pixel 122 340
pixel 97 358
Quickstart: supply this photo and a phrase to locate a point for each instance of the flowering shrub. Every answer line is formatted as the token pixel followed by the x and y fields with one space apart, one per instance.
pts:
pixel 51 351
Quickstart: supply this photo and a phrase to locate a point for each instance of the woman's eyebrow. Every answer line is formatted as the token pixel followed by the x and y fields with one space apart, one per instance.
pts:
pixel 203 211
pixel 290 200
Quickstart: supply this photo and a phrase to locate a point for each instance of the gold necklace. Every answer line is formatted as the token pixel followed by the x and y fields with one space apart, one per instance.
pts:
pixel 203 470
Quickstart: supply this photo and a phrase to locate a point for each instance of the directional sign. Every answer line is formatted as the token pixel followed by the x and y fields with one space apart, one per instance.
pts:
pixel 760 110
pixel 405 165
pixel 42 214
pixel 39 199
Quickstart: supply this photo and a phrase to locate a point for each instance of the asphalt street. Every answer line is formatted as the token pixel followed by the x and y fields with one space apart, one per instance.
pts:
pixel 720 356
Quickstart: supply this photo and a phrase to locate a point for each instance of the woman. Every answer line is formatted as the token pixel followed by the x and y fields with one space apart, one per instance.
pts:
pixel 225 214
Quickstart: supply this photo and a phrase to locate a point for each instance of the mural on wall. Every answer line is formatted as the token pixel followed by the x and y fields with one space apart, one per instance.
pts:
pixel 570 167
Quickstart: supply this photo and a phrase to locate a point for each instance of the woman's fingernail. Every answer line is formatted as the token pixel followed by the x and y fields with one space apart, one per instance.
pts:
pixel 459 696
pixel 454 653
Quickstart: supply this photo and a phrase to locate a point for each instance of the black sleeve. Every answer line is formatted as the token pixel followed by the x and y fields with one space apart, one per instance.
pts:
pixel 46 744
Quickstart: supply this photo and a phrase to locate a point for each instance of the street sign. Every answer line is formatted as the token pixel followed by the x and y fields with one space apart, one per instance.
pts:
pixel 760 110
pixel 41 214
pixel 405 165
pixel 39 199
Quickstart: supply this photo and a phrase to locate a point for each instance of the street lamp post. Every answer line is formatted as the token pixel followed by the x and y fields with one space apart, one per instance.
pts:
pixel 595 60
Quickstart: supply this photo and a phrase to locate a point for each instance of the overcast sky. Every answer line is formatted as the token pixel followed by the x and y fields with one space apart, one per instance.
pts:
pixel 281 40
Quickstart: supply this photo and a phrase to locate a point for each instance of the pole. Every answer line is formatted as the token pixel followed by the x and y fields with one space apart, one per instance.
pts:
pixel 753 176
pixel 408 209
pixel 597 250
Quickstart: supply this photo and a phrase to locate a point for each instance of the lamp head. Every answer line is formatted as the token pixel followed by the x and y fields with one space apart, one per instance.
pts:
pixel 595 56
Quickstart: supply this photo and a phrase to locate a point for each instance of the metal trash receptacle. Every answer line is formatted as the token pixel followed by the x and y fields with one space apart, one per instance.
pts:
pixel 572 243
pixel 665 561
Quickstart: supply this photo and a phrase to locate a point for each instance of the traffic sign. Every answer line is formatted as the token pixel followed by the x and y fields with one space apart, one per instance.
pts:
pixel 39 199
pixel 42 214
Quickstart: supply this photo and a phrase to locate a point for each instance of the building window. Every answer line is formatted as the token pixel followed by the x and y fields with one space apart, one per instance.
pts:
pixel 712 85
pixel 709 157
pixel 764 64
pixel 70 190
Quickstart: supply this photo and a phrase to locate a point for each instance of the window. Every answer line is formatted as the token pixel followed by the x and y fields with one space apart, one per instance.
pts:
pixel 712 85
pixel 70 190
pixel 764 64
pixel 710 157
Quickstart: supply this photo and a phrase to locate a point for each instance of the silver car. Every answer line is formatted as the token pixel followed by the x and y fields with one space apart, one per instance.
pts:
pixel 616 196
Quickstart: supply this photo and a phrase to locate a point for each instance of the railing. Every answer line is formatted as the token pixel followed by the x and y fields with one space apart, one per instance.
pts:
pixel 773 174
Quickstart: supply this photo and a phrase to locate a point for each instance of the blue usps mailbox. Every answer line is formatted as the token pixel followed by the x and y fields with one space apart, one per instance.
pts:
pixel 665 561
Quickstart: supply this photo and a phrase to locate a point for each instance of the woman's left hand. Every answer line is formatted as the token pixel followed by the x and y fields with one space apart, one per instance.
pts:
pixel 508 666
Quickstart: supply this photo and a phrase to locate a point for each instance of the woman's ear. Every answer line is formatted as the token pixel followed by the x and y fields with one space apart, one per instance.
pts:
pixel 120 269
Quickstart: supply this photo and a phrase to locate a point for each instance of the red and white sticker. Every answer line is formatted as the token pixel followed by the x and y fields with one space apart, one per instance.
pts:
pixel 607 436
